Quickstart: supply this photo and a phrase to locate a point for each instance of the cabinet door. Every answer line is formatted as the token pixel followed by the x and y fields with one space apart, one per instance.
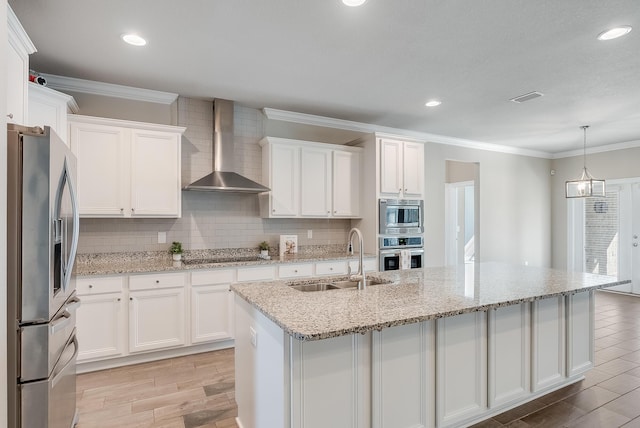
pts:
pixel 156 319
pixel 315 182
pixel 211 313
pixel 155 174
pixel 103 177
pixel 413 169
pixel 102 326
pixel 390 167
pixel 17 69
pixel 346 184
pixel 548 342
pixel 285 173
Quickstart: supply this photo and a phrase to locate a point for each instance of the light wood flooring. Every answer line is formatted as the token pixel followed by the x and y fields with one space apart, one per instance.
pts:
pixel 198 390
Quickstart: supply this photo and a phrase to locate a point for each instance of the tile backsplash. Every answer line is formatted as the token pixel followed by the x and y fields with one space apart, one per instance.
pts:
pixel 210 220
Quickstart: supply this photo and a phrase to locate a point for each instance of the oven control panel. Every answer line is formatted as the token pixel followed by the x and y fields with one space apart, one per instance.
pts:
pixel 401 242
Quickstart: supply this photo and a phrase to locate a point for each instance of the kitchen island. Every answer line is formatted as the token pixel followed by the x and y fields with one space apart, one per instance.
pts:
pixel 435 347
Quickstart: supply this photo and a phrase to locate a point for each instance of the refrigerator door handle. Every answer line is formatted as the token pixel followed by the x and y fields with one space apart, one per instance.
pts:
pixel 73 303
pixel 76 219
pixel 60 322
pixel 58 373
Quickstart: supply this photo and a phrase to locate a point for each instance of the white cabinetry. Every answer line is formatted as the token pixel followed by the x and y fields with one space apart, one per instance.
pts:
pixel 402 367
pixel 126 169
pixel 509 354
pixel 211 305
pixel 49 108
pixel 315 182
pixel 311 180
pixel 156 311
pixel 461 367
pixel 401 169
pixel 102 318
pixel 580 332
pixel 548 342
pixel 19 47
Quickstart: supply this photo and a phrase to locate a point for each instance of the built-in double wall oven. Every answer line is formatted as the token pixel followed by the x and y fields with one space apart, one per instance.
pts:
pixel 401 223
pixel 401 252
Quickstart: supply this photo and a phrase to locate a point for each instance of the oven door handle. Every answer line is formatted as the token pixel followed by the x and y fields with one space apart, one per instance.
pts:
pixel 59 373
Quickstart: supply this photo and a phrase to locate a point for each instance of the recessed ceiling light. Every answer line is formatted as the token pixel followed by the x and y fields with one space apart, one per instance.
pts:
pixel 433 103
pixel 614 33
pixel 354 2
pixel 134 39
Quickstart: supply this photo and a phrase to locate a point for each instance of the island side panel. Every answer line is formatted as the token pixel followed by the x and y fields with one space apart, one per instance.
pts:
pixel 403 376
pixel 259 369
pixel 548 342
pixel 580 332
pixel 330 382
pixel 461 368
pixel 509 342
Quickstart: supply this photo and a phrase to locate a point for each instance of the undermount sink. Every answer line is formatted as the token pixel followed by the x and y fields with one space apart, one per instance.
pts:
pixel 333 284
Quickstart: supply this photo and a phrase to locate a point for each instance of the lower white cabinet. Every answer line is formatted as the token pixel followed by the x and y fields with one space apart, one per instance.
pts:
pixel 211 305
pixel 156 319
pixel 102 326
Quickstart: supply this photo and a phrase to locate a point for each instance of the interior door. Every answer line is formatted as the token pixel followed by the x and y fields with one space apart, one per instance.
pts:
pixel 612 234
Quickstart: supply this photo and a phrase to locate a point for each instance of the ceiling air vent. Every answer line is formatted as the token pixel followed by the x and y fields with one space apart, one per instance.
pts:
pixel 527 97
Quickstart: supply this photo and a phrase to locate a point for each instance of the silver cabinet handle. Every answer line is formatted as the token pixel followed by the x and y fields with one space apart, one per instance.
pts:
pixel 118 299
pixel 131 298
pixel 90 285
pixel 157 281
pixel 133 210
pixel 635 244
pixel 121 210
pixel 10 115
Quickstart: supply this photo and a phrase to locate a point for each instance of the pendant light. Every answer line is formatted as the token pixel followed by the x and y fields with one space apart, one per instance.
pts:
pixel 586 186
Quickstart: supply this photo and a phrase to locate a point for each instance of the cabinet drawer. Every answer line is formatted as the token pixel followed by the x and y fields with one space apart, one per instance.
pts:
pixel 331 268
pixel 156 280
pixel 206 277
pixel 295 271
pixel 257 274
pixel 99 285
pixel 370 265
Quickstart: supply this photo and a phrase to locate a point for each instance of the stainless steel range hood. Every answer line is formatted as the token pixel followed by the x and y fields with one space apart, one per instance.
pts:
pixel 224 178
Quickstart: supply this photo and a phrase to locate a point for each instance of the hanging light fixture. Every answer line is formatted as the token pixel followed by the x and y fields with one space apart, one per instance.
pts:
pixel 586 186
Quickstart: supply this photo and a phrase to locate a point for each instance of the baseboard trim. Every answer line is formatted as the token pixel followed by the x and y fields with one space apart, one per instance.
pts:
pixel 145 357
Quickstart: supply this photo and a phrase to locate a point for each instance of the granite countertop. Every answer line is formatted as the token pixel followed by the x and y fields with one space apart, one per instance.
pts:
pixel 154 261
pixel 412 296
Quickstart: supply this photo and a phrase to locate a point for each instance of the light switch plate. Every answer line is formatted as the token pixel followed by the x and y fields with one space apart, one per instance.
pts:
pixel 309 234
pixel 162 237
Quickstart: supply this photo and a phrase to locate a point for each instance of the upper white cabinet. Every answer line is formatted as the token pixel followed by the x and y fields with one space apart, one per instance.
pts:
pixel 19 47
pixel 311 180
pixel 401 168
pixel 48 107
pixel 126 169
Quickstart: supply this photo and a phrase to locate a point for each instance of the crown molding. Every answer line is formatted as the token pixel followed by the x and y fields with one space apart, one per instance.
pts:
pixel 63 83
pixel 309 119
pixel 17 34
pixel 600 149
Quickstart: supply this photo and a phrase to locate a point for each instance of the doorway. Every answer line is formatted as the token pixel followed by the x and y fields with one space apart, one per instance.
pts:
pixel 610 241
pixel 461 208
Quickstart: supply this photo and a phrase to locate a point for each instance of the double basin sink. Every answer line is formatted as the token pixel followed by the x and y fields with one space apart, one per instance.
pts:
pixel 329 284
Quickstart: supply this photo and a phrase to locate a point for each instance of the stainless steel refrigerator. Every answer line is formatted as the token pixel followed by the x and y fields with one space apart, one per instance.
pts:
pixel 42 231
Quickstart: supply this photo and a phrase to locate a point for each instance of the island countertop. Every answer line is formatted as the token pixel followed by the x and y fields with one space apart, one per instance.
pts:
pixel 412 296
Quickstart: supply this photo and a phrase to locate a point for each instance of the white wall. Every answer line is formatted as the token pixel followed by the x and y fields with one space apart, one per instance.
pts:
pixel 3 216
pixel 514 205
pixel 608 165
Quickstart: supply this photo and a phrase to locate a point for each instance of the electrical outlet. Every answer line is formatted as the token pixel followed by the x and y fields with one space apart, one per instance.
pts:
pixel 309 234
pixel 254 337
pixel 162 237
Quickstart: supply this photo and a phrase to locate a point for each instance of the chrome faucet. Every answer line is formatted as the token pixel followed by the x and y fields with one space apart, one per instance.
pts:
pixel 360 277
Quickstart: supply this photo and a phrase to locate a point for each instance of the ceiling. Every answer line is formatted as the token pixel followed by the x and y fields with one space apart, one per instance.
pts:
pixel 378 63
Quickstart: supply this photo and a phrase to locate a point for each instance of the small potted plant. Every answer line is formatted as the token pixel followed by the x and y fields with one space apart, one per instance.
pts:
pixel 176 250
pixel 264 249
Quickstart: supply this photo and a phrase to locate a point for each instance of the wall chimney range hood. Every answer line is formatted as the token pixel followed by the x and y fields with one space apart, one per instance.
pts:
pixel 224 178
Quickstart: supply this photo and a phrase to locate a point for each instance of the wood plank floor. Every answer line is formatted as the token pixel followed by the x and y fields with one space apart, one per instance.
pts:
pixel 198 390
